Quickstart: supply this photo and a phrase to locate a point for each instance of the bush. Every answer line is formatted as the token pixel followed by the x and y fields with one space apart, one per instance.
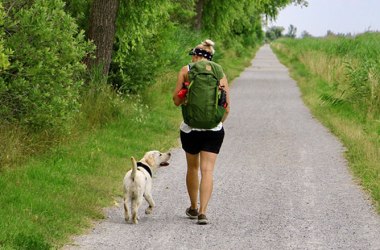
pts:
pixel 41 87
pixel 136 71
pixel 135 60
pixel 165 51
pixel 4 63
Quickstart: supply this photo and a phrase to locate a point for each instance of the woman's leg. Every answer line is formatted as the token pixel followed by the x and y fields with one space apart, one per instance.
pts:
pixel 192 181
pixel 207 163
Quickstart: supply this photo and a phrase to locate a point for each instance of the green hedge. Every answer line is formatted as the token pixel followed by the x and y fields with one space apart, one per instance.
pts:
pixel 41 87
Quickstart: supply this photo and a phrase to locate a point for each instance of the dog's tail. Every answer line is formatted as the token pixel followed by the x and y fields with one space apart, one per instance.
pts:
pixel 134 168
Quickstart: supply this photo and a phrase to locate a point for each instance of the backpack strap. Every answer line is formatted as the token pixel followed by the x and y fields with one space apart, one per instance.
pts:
pixel 189 66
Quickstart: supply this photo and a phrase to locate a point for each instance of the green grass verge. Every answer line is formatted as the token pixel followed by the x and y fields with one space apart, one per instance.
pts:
pixel 359 134
pixel 59 194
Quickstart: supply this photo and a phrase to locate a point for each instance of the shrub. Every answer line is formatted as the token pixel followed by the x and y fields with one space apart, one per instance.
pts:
pixel 4 63
pixel 41 86
pixel 136 59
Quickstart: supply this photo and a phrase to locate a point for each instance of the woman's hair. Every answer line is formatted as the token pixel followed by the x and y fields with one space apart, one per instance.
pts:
pixel 205 49
pixel 207 45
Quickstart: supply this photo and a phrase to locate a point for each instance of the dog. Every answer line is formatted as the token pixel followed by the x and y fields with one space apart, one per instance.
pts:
pixel 138 182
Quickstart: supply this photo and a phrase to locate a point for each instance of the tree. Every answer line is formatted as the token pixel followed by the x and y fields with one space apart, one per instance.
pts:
pixel 330 33
pixel 270 8
pixel 305 34
pixel 102 31
pixel 292 31
pixel 274 33
pixel 40 87
pixel 219 18
pixel 4 53
pixel 199 13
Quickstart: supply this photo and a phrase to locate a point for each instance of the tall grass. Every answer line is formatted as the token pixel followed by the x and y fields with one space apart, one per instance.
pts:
pixel 18 144
pixel 340 81
pixel 350 64
pixel 99 104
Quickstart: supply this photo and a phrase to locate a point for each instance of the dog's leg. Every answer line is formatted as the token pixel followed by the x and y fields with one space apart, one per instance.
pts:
pixel 126 212
pixel 136 202
pixel 149 199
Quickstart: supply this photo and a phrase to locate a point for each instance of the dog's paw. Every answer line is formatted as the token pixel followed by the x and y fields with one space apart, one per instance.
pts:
pixel 135 219
pixel 126 216
pixel 149 210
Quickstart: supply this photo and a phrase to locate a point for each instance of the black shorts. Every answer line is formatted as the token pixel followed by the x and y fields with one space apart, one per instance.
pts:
pixel 197 141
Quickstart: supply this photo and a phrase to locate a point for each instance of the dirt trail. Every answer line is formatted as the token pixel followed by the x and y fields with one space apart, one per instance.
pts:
pixel 281 182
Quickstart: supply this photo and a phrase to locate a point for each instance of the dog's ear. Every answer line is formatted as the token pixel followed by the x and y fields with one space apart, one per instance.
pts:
pixel 150 160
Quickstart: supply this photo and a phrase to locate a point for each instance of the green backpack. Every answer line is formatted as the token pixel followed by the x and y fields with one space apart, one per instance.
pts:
pixel 201 109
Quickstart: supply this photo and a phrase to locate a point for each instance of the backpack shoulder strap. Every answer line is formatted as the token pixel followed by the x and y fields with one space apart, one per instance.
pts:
pixel 218 70
pixel 189 66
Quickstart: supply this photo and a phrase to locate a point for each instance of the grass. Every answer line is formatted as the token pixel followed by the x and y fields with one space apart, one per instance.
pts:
pixel 323 80
pixel 59 193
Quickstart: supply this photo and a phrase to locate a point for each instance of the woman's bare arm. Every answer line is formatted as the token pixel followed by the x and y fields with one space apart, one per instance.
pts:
pixel 182 76
pixel 224 85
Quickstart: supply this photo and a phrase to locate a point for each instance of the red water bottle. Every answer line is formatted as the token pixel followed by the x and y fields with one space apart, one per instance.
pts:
pixel 182 93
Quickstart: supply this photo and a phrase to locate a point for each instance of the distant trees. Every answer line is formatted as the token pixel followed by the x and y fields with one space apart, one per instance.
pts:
pixel 305 34
pixel 330 33
pixel 292 31
pixel 274 33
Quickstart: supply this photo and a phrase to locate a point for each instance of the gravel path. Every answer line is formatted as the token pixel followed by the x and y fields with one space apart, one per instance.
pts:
pixel 281 182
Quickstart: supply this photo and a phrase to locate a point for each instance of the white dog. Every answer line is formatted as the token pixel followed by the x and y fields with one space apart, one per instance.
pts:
pixel 138 182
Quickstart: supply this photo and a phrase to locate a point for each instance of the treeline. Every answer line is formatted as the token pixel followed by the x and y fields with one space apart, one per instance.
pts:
pixel 53 53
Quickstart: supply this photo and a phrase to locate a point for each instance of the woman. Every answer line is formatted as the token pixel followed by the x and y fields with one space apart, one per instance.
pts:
pixel 201 145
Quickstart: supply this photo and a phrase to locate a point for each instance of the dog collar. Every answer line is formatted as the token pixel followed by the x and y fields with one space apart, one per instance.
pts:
pixel 147 168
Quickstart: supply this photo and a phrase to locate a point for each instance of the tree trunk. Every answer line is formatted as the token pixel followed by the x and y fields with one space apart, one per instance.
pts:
pixel 102 30
pixel 199 14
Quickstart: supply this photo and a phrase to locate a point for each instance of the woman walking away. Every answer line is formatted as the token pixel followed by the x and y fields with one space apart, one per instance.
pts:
pixel 203 93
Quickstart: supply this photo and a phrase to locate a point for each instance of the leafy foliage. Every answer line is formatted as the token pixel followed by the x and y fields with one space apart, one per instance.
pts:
pixel 4 62
pixel 274 33
pixel 41 86
pixel 80 10
pixel 182 12
pixel 137 55
pixel 238 18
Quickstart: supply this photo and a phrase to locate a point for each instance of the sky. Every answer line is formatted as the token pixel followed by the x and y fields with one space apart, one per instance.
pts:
pixel 338 16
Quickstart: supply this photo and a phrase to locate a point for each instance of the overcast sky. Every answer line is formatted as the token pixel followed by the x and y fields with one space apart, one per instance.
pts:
pixel 338 16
